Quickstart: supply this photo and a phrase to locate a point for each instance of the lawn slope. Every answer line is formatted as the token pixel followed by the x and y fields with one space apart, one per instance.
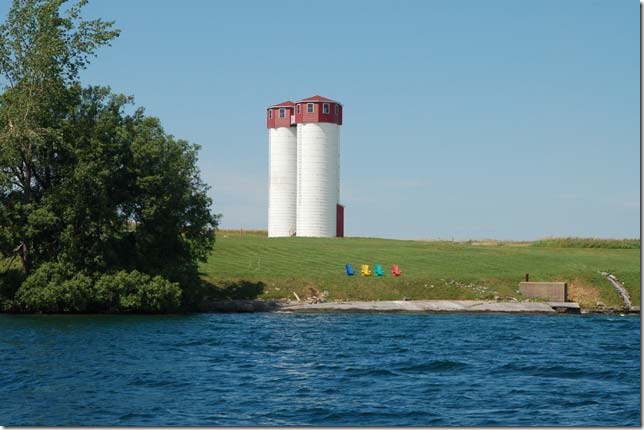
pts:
pixel 250 265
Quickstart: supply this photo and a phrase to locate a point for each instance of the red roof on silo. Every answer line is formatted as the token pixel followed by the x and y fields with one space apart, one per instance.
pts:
pixel 287 103
pixel 318 99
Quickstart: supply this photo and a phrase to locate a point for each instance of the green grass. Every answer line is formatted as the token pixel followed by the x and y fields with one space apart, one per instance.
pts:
pixel 250 264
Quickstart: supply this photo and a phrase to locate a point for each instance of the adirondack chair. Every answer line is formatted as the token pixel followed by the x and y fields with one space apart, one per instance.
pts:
pixel 395 270
pixel 378 270
pixel 349 269
pixel 365 270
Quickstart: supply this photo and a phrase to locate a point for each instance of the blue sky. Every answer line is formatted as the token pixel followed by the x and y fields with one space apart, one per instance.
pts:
pixel 462 120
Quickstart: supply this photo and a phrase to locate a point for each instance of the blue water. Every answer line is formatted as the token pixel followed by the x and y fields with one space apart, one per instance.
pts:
pixel 359 369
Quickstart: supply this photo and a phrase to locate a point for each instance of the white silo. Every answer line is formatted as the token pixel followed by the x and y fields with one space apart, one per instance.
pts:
pixel 318 166
pixel 282 170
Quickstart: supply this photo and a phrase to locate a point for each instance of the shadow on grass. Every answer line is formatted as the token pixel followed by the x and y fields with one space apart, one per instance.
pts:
pixel 235 296
pixel 233 290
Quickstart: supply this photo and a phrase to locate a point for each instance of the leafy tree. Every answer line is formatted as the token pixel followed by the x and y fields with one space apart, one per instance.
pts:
pixel 41 53
pixel 131 196
pixel 87 190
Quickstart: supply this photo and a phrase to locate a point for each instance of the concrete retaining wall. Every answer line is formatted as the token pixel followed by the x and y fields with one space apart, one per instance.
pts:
pixel 551 291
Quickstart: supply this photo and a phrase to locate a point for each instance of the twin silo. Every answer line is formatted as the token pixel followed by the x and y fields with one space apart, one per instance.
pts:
pixel 304 168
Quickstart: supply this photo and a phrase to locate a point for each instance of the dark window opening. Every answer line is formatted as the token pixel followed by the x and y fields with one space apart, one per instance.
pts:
pixel 282 112
pixel 309 108
pixel 325 108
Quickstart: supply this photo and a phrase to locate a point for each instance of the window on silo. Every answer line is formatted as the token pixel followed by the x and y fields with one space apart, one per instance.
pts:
pixel 309 107
pixel 282 112
pixel 270 114
pixel 325 108
pixel 298 108
pixel 337 110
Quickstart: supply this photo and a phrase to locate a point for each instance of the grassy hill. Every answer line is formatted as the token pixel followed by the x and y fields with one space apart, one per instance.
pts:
pixel 249 265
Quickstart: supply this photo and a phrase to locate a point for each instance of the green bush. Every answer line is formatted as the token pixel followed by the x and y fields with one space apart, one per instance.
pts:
pixel 138 292
pixel 54 287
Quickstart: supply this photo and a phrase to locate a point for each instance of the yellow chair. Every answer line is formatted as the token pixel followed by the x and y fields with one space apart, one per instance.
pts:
pixel 365 270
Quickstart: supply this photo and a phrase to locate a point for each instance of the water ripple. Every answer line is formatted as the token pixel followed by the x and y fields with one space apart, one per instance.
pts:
pixel 434 366
pixel 325 370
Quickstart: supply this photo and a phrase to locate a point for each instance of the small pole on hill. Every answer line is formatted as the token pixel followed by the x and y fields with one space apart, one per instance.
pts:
pixel 527 275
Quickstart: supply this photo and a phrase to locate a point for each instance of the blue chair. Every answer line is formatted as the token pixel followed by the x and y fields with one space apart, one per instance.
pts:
pixel 349 269
pixel 378 270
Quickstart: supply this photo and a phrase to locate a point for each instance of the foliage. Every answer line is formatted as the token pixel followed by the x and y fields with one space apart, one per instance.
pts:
pixel 136 291
pixel 131 196
pixel 41 53
pixel 54 287
pixel 174 227
pixel 582 242
pixel 10 281
pixel 84 187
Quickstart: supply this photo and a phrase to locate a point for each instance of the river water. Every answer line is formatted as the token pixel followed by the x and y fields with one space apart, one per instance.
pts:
pixel 324 369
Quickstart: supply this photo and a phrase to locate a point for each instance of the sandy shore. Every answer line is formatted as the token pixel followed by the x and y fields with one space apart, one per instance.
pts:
pixel 418 306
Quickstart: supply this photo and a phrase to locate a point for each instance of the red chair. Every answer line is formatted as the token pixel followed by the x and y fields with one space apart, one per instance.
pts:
pixel 395 270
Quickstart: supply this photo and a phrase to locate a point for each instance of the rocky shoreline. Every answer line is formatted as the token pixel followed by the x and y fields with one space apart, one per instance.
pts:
pixel 402 306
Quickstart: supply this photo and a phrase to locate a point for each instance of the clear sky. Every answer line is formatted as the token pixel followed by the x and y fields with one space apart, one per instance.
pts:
pixel 462 119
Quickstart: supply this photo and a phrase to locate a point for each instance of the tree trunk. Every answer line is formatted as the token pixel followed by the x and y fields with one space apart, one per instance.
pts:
pixel 24 257
pixel 24 249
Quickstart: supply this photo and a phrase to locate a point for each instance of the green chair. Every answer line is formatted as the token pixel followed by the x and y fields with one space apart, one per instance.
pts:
pixel 378 270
